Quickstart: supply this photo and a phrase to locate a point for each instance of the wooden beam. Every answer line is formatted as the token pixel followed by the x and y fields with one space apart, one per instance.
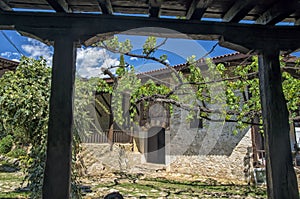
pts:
pixel 191 8
pixel 105 6
pixel 59 146
pixel 154 8
pixel 238 10
pixel 4 6
pixel 281 177
pixel 277 12
pixel 226 44
pixel 85 26
pixel 197 9
pixel 59 5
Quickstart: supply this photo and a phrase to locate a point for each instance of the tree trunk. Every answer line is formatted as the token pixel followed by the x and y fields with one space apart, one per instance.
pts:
pixel 57 176
pixel 111 125
pixel 111 135
pixel 281 178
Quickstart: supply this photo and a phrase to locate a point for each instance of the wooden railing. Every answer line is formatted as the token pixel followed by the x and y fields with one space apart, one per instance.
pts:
pixel 118 137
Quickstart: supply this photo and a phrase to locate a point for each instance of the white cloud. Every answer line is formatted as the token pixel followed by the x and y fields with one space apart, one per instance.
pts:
pixel 90 61
pixel 11 55
pixel 133 58
pixel 37 49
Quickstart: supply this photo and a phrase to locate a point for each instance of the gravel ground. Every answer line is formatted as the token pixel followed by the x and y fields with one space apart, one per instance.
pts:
pixel 140 187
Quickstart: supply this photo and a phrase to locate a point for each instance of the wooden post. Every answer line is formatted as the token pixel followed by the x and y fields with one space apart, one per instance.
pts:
pixel 57 176
pixel 281 178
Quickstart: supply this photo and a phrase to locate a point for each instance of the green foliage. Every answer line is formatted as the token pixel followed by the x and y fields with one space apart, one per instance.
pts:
pixel 24 113
pixel 291 90
pixel 129 83
pixel 24 97
pixel 243 95
pixel 149 45
pixel 115 45
pixel 85 97
pixel 24 110
pixel 230 93
pixel 101 85
pixel 122 66
pixel 163 58
pixel 6 144
pixel 17 153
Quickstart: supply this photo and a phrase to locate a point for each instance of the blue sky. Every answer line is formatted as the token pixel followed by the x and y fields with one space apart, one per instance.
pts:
pixel 90 60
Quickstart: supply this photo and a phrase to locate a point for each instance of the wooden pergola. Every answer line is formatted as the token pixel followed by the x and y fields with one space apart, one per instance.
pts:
pixel 66 23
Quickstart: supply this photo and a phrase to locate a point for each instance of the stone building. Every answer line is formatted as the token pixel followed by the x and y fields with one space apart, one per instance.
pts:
pixel 172 145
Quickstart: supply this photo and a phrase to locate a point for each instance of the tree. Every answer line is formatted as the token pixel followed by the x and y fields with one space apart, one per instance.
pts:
pixel 241 93
pixel 240 83
pixel 24 114
pixel 24 96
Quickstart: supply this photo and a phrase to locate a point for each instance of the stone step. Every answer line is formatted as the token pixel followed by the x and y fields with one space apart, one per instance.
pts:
pixel 152 166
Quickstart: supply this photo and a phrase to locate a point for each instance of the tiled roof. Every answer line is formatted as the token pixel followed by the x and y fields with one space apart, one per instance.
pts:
pixel 233 57
pixel 6 64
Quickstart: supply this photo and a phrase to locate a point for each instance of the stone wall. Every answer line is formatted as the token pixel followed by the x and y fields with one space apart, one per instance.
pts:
pixel 212 151
pixel 235 167
pixel 99 161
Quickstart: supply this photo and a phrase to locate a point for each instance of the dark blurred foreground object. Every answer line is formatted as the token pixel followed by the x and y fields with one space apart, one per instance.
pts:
pixel 114 195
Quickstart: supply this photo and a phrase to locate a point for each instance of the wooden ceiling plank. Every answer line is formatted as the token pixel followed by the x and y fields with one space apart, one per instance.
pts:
pixel 4 6
pixel 239 10
pixel 197 9
pixel 154 8
pixel 59 5
pixel 106 6
pixel 277 13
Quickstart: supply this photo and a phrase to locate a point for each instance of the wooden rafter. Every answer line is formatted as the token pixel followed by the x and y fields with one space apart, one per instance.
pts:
pixel 4 6
pixel 105 6
pixel 277 12
pixel 191 8
pixel 197 9
pixel 239 10
pixel 229 10
pixel 154 8
pixel 59 5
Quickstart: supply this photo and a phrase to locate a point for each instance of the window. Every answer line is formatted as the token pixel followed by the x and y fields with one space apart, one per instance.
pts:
pixel 196 123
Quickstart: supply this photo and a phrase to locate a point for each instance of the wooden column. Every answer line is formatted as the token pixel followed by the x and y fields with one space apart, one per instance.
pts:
pixel 58 162
pixel 281 178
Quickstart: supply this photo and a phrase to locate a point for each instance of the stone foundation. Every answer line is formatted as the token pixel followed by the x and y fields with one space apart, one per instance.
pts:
pixel 99 160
